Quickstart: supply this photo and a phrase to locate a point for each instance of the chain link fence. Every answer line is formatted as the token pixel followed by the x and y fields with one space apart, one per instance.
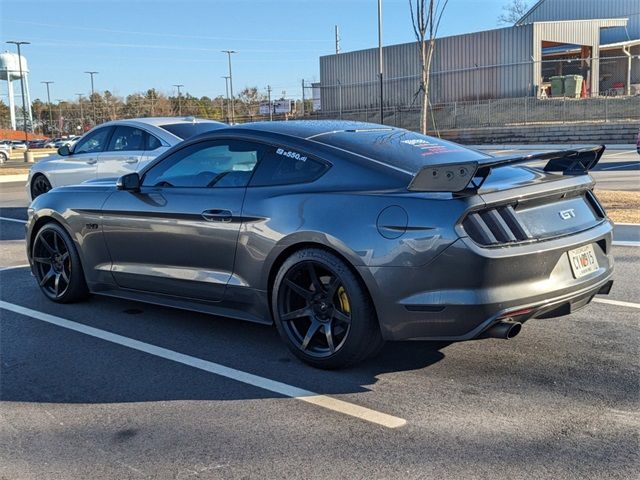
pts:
pixel 490 96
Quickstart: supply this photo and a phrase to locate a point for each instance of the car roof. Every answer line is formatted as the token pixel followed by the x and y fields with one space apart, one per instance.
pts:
pixel 312 128
pixel 158 121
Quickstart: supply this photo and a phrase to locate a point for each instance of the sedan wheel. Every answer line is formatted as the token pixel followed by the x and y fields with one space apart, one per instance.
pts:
pixel 323 312
pixel 39 185
pixel 3 157
pixel 56 265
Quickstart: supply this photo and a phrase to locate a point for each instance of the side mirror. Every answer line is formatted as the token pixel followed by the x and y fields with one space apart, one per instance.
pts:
pixel 129 182
pixel 65 151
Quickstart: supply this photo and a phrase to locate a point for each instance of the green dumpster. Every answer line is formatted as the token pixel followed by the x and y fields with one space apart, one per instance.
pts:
pixel 557 86
pixel 573 86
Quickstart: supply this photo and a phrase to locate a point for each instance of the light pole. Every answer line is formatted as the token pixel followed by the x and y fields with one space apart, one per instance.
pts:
pixel 226 86
pixel 179 103
pixel 93 103
pixel 81 111
pixel 229 52
pixel 60 118
pixel 24 103
pixel 47 83
pixel 380 60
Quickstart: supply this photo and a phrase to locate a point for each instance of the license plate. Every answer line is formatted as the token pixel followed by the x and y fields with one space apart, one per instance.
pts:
pixel 583 261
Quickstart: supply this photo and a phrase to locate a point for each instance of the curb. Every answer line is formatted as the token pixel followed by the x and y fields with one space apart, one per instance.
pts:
pixel 20 177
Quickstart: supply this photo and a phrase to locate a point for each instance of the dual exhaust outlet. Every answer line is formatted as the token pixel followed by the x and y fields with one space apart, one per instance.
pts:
pixel 505 329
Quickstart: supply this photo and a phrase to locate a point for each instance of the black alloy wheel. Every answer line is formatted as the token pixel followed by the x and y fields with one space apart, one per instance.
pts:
pixel 39 185
pixel 323 312
pixel 56 265
pixel 314 308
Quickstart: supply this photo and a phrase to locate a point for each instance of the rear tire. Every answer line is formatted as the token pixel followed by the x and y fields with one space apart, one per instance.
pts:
pixel 323 312
pixel 3 157
pixel 56 265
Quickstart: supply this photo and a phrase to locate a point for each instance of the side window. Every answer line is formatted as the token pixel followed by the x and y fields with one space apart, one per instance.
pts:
pixel 127 139
pixel 283 166
pixel 93 143
pixel 152 142
pixel 227 163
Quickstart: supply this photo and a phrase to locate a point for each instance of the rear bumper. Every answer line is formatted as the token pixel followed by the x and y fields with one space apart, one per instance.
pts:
pixel 467 288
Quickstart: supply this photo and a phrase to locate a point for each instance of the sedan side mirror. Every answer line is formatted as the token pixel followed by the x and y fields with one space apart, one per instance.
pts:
pixel 64 151
pixel 129 182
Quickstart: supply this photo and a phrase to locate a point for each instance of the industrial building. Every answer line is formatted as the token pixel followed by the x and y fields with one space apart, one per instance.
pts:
pixel 595 39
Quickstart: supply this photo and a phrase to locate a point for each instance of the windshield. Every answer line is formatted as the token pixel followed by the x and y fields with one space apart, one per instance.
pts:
pixel 187 130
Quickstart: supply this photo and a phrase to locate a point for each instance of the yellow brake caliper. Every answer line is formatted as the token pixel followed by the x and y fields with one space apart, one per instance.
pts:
pixel 344 300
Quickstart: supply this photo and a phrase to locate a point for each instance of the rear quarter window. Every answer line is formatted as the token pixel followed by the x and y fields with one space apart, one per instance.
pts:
pixel 283 166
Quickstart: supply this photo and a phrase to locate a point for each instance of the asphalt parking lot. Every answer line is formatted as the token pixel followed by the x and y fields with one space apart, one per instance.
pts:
pixel 117 389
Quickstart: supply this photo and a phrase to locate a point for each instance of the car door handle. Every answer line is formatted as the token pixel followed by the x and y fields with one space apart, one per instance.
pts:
pixel 91 161
pixel 217 215
pixel 131 160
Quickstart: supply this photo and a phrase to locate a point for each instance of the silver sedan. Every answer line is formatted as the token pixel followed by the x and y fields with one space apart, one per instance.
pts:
pixel 113 149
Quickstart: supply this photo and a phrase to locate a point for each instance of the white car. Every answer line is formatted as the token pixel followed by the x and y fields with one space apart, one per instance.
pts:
pixel 5 153
pixel 112 150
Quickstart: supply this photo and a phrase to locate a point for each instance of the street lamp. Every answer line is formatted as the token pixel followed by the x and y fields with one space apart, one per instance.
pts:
pixel 179 103
pixel 229 52
pixel 81 111
pixel 47 83
pixel 60 117
pixel 93 104
pixel 24 102
pixel 226 87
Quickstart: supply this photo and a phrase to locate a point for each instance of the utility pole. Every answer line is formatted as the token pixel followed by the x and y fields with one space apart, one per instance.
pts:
pixel 229 52
pixel 270 106
pixel 302 98
pixel 380 60
pixel 47 83
pixel 337 33
pixel 24 103
pixel 179 103
pixel 226 86
pixel 93 103
pixel 81 111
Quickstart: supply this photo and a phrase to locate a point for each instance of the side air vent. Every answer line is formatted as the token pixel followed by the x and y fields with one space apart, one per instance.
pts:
pixel 495 226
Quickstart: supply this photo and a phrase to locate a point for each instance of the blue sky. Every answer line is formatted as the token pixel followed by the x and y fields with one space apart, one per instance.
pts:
pixel 138 44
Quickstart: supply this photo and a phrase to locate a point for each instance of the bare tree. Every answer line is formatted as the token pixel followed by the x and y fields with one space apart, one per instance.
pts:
pixel 425 18
pixel 512 12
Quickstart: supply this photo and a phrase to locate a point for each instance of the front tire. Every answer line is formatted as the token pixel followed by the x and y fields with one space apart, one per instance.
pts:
pixel 323 312
pixel 3 157
pixel 39 185
pixel 56 265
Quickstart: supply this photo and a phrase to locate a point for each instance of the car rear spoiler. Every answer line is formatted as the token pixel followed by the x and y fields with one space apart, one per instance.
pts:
pixel 468 177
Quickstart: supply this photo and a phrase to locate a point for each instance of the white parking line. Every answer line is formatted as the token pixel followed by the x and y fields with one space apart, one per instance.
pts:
pixel 14 267
pixel 280 388
pixel 17 220
pixel 619 303
pixel 616 167
pixel 623 152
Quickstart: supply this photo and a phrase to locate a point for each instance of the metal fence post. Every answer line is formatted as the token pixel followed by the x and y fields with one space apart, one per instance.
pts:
pixel 564 102
pixel 526 110
pixel 606 108
pixel 455 114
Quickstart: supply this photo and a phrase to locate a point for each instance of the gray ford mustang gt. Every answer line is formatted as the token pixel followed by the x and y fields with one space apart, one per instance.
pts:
pixel 343 234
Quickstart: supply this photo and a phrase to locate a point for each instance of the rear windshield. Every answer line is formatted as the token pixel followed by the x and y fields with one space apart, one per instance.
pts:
pixel 406 150
pixel 187 130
